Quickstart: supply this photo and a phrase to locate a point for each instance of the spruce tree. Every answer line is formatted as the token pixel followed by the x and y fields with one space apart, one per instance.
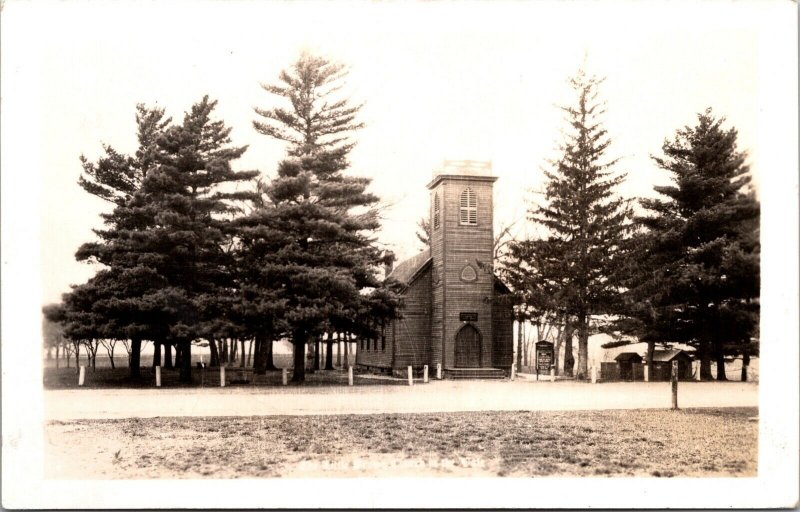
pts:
pixel 696 272
pixel 578 261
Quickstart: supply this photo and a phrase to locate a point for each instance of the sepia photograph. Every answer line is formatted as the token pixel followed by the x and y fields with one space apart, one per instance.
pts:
pixel 529 254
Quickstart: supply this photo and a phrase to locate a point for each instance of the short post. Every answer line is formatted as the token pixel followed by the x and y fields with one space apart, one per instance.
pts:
pixel 221 376
pixel 425 374
pixel 158 376
pixel 438 371
pixel 284 377
pixel 81 375
pixel 674 385
pixel 513 371
pixel 552 374
pixel 349 375
pixel 698 370
pixel 647 373
pixel 594 374
pixel 410 377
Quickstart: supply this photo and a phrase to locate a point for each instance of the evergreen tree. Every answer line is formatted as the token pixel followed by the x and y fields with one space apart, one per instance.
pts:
pixel 323 263
pixel 578 262
pixel 168 238
pixel 316 120
pixel 116 177
pixel 696 272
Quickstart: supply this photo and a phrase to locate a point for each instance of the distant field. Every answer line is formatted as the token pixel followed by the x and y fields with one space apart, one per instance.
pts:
pixel 690 442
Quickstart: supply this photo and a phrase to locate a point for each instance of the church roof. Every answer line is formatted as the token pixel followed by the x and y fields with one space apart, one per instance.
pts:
pixel 407 270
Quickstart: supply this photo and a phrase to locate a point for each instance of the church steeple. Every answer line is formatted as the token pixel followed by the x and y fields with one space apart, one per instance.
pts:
pixel 462 240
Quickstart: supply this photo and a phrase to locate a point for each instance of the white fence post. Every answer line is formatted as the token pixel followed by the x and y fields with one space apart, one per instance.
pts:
pixel 81 375
pixel 647 373
pixel 410 377
pixel 349 375
pixel 284 377
pixel 158 376
pixel 552 374
pixel 222 376
pixel 438 371
pixel 425 374
pixel 513 371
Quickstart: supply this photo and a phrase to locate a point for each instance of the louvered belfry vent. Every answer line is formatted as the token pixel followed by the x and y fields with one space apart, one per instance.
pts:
pixel 469 208
pixel 436 211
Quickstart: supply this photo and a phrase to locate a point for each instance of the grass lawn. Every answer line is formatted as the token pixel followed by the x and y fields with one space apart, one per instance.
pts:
pixel 690 442
pixel 105 377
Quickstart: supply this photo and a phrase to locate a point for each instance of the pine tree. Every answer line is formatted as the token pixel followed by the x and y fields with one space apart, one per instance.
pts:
pixel 167 240
pixel 696 275
pixel 323 263
pixel 578 262
pixel 316 120
pixel 116 177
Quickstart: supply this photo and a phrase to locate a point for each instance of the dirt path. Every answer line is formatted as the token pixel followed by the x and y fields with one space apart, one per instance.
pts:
pixel 438 396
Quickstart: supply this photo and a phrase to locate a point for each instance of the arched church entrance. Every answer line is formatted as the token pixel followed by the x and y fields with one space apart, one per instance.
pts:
pixel 468 347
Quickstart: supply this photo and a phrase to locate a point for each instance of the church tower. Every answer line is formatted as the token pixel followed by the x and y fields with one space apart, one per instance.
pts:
pixel 462 281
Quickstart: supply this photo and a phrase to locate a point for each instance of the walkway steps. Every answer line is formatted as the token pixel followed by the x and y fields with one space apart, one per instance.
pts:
pixel 474 373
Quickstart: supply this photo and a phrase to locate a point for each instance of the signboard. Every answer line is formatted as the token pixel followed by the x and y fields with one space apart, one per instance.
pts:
pixel 468 317
pixel 544 357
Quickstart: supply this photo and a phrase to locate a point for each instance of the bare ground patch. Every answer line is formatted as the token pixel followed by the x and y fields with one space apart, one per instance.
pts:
pixel 691 442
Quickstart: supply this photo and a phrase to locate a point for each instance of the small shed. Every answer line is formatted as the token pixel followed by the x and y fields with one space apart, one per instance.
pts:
pixel 662 364
pixel 625 362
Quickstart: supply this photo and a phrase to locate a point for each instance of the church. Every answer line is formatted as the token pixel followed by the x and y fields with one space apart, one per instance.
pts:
pixel 454 312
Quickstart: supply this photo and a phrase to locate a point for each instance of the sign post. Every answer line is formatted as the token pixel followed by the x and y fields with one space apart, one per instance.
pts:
pixel 674 385
pixel 425 374
pixel 544 358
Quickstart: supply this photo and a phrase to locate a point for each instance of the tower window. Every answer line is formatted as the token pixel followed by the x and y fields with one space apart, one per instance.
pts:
pixel 468 214
pixel 436 211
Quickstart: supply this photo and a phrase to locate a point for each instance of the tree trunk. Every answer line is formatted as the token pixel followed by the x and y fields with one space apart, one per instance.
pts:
pixel 651 349
pixel 223 351
pixel 243 357
pixel 269 359
pixel 250 351
pixel 299 340
pixel 745 364
pixel 346 350
pixel 258 357
pixel 212 346
pixel 705 361
pixel 720 357
pixel 185 375
pixel 339 350
pixel 569 359
pixel 234 349
pixel 77 356
pixel 583 347
pixel 136 354
pixel 329 353
pixel 519 345
pixel 168 355
pixel 178 354
pixel 316 353
pixel 57 354
pixel 156 353
pixel 111 356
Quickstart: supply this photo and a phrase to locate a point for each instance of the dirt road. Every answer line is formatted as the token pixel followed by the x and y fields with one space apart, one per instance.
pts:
pixel 436 396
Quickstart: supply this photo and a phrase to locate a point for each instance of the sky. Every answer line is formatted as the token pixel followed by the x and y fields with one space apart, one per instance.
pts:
pixel 439 81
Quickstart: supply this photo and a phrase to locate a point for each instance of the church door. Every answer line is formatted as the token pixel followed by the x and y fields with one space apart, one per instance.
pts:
pixel 468 348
